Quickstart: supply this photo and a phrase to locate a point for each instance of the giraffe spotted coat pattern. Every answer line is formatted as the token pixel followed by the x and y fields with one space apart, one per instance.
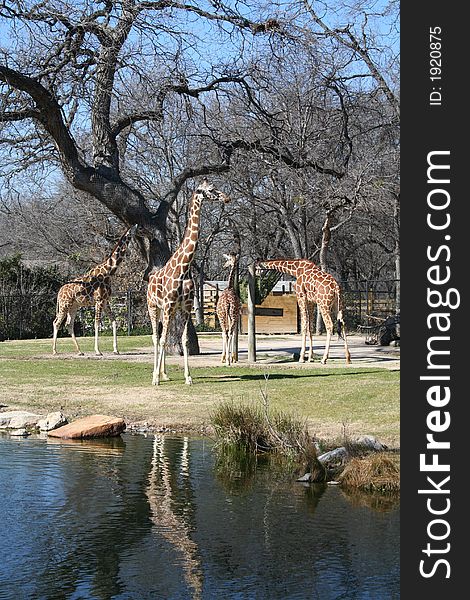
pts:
pixel 171 289
pixel 313 286
pixel 92 289
pixel 228 311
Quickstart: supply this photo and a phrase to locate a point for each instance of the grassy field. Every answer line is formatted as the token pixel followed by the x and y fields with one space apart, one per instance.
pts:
pixel 364 400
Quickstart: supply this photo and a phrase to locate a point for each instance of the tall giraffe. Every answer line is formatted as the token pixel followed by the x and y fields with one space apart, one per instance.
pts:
pixel 92 288
pixel 228 311
pixel 313 286
pixel 171 288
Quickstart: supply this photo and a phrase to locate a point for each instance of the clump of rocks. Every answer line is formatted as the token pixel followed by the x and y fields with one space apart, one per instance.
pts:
pixel 21 423
pixel 363 463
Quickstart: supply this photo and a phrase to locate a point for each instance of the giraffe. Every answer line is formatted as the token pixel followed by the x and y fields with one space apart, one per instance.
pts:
pixel 313 286
pixel 93 288
pixel 171 288
pixel 169 484
pixel 228 311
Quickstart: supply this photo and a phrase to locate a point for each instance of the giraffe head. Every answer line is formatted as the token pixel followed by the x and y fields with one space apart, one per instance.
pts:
pixel 231 259
pixel 207 191
pixel 259 268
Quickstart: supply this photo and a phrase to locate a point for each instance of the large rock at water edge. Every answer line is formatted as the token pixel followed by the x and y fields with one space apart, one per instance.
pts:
pixel 334 456
pixel 90 427
pixel 18 419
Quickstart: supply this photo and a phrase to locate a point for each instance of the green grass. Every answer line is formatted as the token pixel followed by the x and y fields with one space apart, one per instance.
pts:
pixel 26 348
pixel 366 399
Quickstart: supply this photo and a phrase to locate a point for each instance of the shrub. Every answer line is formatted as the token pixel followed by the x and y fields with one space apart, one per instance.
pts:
pixel 375 472
pixel 256 430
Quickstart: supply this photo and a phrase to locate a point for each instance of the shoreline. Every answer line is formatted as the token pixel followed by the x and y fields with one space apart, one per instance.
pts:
pixel 333 399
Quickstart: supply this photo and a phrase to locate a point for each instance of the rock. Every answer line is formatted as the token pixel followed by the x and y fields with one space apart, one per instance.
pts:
pixel 19 433
pixel 90 427
pixel 370 442
pixel 305 478
pixel 52 421
pixel 18 419
pixel 339 454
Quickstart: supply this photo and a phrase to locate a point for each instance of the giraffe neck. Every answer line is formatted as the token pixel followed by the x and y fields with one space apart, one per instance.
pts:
pixel 292 267
pixel 184 254
pixel 231 277
pixel 110 265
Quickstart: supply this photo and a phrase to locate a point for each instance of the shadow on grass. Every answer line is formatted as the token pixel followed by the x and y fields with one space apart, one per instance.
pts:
pixel 273 376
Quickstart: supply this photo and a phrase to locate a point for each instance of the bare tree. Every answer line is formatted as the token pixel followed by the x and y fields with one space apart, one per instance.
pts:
pixel 133 100
pixel 64 77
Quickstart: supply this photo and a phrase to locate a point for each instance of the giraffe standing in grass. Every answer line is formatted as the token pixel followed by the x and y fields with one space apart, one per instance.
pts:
pixel 228 311
pixel 171 288
pixel 91 289
pixel 313 286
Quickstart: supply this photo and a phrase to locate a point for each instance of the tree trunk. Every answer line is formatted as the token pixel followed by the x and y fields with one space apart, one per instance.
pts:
pixel 236 287
pixel 396 217
pixel 325 242
pixel 200 308
pixel 251 314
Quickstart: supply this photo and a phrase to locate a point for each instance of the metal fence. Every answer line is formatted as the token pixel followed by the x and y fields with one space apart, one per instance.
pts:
pixel 26 316
pixel 369 298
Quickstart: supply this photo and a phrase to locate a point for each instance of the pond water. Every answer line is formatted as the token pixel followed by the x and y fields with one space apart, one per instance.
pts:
pixel 152 517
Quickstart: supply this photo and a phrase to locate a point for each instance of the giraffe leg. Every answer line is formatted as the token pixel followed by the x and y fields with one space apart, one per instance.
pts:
pixel 56 326
pixel 310 314
pixel 184 342
pixel 159 367
pixel 112 318
pixel 163 373
pixel 154 315
pixel 229 350
pixel 98 310
pixel 232 345
pixel 347 354
pixel 234 318
pixel 301 301
pixel 329 332
pixel 224 346
pixel 71 328
pixel 234 350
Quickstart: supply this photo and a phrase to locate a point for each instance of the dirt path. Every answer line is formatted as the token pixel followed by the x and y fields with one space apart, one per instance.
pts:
pixel 277 350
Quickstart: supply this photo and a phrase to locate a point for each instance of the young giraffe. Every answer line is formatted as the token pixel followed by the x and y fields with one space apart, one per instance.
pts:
pixel 170 288
pixel 228 311
pixel 93 288
pixel 313 286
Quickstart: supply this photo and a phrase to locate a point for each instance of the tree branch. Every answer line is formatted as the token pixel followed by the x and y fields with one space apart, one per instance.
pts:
pixel 19 115
pixel 48 113
pixel 346 38
pixel 283 156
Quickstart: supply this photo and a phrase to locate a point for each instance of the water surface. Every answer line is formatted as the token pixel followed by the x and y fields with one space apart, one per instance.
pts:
pixel 151 517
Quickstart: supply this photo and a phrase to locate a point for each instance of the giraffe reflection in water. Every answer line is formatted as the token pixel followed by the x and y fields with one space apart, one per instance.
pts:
pixel 168 491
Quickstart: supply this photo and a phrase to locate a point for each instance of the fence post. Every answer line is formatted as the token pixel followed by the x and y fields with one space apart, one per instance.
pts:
pixel 129 311
pixel 367 300
pixel 251 305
